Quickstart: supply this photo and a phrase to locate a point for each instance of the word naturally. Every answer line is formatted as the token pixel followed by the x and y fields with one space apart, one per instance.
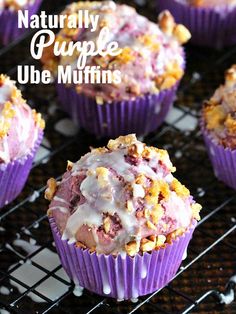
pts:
pixel 80 20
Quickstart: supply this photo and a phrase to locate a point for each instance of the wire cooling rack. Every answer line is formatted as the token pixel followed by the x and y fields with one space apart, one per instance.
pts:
pixel 31 277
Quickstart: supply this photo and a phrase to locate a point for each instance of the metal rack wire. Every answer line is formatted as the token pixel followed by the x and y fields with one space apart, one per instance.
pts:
pixel 31 278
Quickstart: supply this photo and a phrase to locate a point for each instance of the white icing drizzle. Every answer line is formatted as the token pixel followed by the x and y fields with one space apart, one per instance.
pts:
pixel 138 190
pixel 22 125
pixel 185 255
pixel 4 290
pixel 59 199
pixel 143 270
pixel 90 212
pixel 120 289
pixel 63 209
pixel 78 291
pixel 105 283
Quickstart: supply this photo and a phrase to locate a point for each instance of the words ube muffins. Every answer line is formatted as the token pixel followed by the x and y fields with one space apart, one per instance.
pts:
pixel 21 131
pixel 219 129
pixel 151 65
pixel 9 30
pixel 211 22
pixel 120 220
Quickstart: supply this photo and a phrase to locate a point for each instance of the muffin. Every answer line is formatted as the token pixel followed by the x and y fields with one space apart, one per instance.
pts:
pixel 219 129
pixel 211 22
pixel 9 30
pixel 151 64
pixel 120 220
pixel 21 131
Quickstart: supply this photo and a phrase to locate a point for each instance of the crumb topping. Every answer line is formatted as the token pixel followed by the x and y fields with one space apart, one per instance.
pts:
pixel 219 113
pixel 122 197
pixel 17 121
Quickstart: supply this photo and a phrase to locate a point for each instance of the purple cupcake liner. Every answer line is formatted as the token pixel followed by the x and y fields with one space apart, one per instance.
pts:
pixel 208 26
pixel 223 160
pixel 141 116
pixel 121 277
pixel 14 175
pixel 9 30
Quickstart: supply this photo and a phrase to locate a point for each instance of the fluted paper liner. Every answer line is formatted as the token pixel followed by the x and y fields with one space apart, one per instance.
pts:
pixel 121 277
pixel 13 175
pixel 223 160
pixel 141 116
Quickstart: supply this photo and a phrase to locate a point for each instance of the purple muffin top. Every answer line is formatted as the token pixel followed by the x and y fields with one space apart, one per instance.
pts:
pixel 151 60
pixel 219 113
pixel 209 3
pixel 121 198
pixel 19 124
pixel 14 4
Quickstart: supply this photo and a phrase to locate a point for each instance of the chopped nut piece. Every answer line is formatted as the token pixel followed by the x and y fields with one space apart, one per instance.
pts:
pixel 147 245
pixel 140 179
pixel 173 235
pixel 164 189
pixel 51 190
pixel 80 245
pixel 107 224
pixel 215 115
pixel 196 209
pixel 99 150
pixel 150 225
pixel 136 150
pixel 160 240
pixel 148 153
pixel 230 124
pixel 92 249
pixel 168 82
pixel 129 206
pixel 179 188
pixel 102 175
pixel 99 100
pixel 166 22
pixel 181 33
pixel 69 165
pixel 152 238
pixel 230 74
pixel 38 119
pixel 147 213
pixel 132 248
pixel 125 56
pixel 122 141
pixel 140 214
pixel 156 213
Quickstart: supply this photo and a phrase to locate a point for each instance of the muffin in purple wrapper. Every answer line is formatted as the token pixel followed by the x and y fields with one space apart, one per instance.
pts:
pixel 218 125
pixel 212 23
pixel 151 63
pixel 21 131
pixel 120 220
pixel 9 30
